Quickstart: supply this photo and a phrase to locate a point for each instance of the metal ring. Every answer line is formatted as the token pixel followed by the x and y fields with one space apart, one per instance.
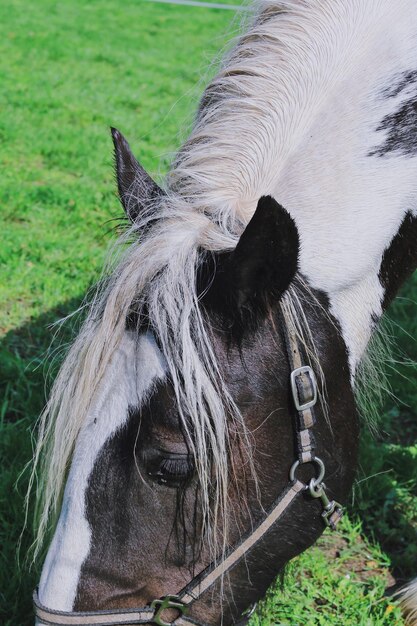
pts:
pixel 318 461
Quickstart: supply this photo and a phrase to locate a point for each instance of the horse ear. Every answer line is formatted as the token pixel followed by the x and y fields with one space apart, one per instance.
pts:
pixel 136 187
pixel 259 270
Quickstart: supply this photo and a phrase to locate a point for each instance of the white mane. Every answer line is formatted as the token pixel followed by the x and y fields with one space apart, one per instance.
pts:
pixel 251 134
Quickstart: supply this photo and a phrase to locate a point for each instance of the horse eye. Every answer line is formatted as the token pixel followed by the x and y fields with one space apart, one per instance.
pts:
pixel 172 471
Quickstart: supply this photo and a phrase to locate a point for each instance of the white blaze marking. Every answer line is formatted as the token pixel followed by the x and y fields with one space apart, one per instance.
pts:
pixel 132 370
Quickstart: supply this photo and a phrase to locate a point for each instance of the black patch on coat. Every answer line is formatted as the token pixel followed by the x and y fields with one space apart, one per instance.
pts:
pixel 400 259
pixel 401 126
pixel 404 80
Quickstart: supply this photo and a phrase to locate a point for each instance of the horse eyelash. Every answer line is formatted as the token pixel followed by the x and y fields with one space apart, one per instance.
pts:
pixel 176 466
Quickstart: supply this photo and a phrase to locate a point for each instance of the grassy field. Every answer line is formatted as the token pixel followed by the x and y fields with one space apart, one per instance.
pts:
pixel 68 71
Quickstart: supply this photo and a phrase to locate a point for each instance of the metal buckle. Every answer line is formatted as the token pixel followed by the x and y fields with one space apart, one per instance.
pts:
pixel 305 369
pixel 332 510
pixel 167 602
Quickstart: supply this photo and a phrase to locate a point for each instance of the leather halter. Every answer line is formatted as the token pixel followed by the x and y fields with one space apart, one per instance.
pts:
pixel 304 393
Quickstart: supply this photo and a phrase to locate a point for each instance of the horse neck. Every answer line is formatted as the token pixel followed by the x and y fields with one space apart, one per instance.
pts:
pixel 350 179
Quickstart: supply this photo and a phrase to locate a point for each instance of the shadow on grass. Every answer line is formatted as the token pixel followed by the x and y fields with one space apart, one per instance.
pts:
pixel 26 353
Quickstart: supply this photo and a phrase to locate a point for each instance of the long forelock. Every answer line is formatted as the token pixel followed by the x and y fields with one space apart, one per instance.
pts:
pixel 157 277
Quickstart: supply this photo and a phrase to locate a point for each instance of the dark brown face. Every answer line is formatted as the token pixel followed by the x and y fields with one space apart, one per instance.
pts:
pixel 143 503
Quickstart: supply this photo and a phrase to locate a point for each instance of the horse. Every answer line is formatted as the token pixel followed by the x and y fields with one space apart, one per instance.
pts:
pixel 203 430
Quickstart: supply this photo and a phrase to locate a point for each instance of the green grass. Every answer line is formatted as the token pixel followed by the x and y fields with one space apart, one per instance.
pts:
pixel 68 71
pixel 341 580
